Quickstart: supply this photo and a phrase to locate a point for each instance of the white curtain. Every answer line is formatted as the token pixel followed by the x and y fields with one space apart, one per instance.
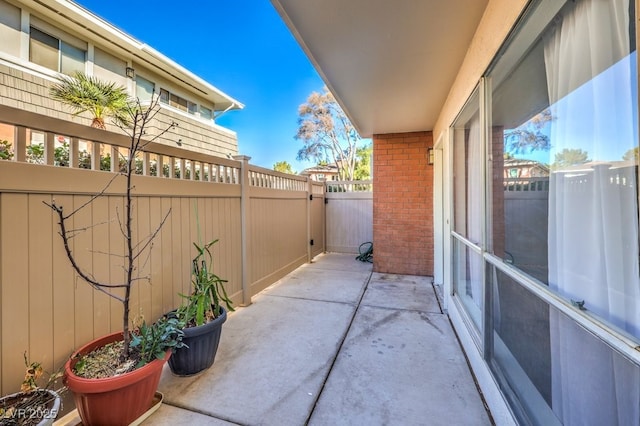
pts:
pixel 593 210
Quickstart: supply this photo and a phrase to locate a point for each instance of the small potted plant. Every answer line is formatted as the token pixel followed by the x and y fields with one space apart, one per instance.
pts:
pixel 202 315
pixel 114 378
pixel 33 405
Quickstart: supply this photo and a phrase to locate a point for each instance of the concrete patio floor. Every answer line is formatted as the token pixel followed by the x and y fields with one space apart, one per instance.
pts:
pixel 332 344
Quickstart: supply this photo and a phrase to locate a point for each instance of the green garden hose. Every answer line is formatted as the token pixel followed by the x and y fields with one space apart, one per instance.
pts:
pixel 366 255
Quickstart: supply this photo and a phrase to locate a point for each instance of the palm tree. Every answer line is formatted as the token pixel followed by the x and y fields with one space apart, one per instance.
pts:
pixel 101 99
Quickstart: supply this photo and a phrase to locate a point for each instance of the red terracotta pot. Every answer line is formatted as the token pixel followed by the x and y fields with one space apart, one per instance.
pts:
pixel 115 400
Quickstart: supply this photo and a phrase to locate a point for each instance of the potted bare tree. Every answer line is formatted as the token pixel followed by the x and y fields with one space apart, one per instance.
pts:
pixel 135 354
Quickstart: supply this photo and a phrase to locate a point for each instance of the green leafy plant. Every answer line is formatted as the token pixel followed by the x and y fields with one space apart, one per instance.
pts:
pixel 101 99
pixel 5 150
pixel 153 341
pixel 208 292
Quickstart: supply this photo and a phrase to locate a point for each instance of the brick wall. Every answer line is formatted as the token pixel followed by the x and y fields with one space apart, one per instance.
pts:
pixel 403 204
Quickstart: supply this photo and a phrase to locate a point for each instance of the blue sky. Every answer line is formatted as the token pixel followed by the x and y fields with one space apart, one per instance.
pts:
pixel 240 46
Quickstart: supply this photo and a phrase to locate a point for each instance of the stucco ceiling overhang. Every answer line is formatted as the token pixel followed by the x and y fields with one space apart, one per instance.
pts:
pixel 390 64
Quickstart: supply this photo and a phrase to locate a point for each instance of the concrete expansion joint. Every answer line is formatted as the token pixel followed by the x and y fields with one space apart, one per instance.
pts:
pixel 342 340
pixel 204 413
pixel 310 299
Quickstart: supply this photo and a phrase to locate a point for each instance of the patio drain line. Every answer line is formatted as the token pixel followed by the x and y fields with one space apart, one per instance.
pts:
pixel 342 340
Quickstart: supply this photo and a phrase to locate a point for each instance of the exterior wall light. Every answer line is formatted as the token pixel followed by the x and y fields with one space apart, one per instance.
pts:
pixel 130 72
pixel 430 156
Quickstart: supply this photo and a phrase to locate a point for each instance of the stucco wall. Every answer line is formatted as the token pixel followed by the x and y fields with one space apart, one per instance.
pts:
pixel 497 21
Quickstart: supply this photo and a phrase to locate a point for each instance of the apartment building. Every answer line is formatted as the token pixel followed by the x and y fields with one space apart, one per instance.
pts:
pixel 40 39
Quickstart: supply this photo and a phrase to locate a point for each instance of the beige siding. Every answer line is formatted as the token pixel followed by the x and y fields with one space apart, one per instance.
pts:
pixel 195 134
pixel 26 91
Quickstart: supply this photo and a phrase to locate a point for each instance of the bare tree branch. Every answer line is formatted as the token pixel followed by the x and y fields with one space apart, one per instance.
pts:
pixel 65 239
pixel 153 235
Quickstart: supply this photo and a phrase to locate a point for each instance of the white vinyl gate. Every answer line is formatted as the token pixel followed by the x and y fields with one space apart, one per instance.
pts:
pixel 349 215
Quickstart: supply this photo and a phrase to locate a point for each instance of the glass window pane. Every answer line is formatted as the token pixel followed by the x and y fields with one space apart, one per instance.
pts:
pixel 10 28
pixel 559 373
pixel 178 102
pixel 467 173
pixel 71 58
pixel 192 108
pixel 467 280
pixel 565 119
pixel 164 96
pixel 206 113
pixel 144 89
pixel 43 49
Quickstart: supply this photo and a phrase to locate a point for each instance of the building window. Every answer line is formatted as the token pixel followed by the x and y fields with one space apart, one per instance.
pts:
pixel 182 104
pixel 564 101
pixel 192 108
pixel 144 89
pixel 206 113
pixel 178 102
pixel 467 210
pixel 164 96
pixel 55 54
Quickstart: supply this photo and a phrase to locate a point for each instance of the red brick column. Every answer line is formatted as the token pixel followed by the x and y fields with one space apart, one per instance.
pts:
pixel 402 204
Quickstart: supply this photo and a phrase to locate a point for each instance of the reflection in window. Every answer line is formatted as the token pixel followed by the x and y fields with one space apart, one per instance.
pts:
pixel 467 173
pixel 568 109
pixel 467 280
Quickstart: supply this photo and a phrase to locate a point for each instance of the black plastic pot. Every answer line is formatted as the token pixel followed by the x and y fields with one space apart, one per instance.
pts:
pixel 202 342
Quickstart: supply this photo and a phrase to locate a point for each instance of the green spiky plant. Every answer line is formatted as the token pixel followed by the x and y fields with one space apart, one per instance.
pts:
pixel 101 99
pixel 207 292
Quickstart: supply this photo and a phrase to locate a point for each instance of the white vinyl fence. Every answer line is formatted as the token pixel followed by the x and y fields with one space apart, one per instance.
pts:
pixel 349 215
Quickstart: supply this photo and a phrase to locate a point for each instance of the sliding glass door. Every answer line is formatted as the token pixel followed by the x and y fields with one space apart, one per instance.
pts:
pixel 545 242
